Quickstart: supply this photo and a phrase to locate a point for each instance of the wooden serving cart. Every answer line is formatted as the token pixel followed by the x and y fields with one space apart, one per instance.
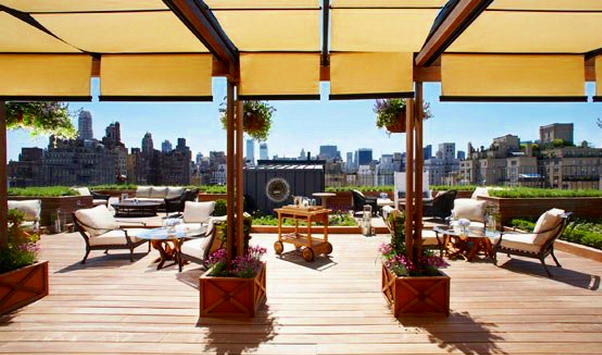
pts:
pixel 311 246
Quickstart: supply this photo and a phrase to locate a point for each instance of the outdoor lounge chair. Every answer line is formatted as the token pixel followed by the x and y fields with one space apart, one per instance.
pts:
pixel 359 200
pixel 471 209
pixel 97 199
pixel 176 204
pixel 197 215
pixel 197 250
pixel 31 210
pixel 538 244
pixel 441 206
pixel 101 231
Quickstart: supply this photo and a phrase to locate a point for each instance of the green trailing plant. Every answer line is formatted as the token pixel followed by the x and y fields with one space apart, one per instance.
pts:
pixel 22 248
pixel 257 118
pixel 41 118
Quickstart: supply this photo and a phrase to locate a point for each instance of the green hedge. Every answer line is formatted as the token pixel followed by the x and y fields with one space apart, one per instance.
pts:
pixel 47 191
pixel 452 187
pixel 382 188
pixel 341 219
pixel 578 232
pixel 529 192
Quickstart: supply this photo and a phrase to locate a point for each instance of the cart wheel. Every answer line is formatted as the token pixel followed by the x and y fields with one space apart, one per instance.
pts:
pixel 328 248
pixel 308 254
pixel 278 247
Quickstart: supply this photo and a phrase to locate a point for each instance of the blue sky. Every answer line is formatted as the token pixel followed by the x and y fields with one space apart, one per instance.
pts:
pixel 348 124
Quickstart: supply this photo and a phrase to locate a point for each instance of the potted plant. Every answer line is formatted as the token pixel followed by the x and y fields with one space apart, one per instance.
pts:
pixel 257 118
pixel 390 114
pixel 412 284
pixel 23 279
pixel 237 289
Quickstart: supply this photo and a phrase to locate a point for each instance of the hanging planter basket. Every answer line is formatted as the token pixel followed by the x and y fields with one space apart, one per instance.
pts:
pixel 400 125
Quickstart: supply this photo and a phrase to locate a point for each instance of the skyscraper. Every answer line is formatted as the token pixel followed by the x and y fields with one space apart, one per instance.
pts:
pixel 364 156
pixel 329 152
pixel 250 157
pixel 147 143
pixel 84 125
pixel 263 151
pixel 166 146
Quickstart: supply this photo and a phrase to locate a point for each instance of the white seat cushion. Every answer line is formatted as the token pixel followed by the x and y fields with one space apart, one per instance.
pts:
pixel 30 208
pixel 429 237
pixel 519 241
pixel 473 210
pixel 174 191
pixel 117 237
pixel 96 220
pixel 158 192
pixel 479 191
pixel 97 202
pixel 143 191
pixel 547 220
pixel 197 212
pixel 83 191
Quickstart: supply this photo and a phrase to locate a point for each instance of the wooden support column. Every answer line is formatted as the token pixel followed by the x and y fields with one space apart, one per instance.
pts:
pixel 230 170
pixel 3 179
pixel 418 114
pixel 240 239
pixel 409 209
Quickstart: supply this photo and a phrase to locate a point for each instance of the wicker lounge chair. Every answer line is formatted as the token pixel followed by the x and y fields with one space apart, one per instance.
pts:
pixel 538 244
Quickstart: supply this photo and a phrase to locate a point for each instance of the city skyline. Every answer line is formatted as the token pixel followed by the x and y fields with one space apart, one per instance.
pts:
pixel 350 125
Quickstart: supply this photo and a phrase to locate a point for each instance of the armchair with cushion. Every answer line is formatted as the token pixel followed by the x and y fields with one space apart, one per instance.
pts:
pixel 197 215
pixel 471 209
pixel 31 210
pixel 176 204
pixel 101 231
pixel 97 199
pixel 441 206
pixel 538 244
pixel 359 200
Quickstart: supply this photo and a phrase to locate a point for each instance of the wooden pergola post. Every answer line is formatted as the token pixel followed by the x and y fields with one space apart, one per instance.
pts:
pixel 3 179
pixel 230 166
pixel 239 179
pixel 409 209
pixel 419 163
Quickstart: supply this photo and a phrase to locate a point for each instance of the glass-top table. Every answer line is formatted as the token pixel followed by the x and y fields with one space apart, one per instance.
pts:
pixel 169 240
pixel 467 242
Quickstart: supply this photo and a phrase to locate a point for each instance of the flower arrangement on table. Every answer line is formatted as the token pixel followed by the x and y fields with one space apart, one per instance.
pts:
pixel 245 266
pixel 461 225
pixel 395 254
pixel 22 247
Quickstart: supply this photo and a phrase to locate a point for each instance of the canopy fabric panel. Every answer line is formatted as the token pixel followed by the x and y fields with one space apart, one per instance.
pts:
pixel 82 6
pixel 279 76
pixel 387 3
pixel 380 29
pixel 262 4
pixel 371 75
pixel 122 32
pixel 598 65
pixel 29 40
pixel 474 77
pixel 272 30
pixel 156 77
pixel 533 27
pixel 45 76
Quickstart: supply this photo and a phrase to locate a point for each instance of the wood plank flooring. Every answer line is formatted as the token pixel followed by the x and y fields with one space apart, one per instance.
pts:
pixel 330 306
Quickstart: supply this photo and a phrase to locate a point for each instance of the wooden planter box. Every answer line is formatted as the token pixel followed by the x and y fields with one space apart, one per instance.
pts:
pixel 232 296
pixel 23 286
pixel 203 197
pixel 416 295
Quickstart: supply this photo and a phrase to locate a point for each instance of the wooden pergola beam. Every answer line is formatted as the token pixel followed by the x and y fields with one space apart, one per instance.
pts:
pixel 199 19
pixel 463 13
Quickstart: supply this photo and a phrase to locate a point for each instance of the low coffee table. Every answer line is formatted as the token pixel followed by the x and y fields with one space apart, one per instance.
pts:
pixel 131 208
pixel 467 245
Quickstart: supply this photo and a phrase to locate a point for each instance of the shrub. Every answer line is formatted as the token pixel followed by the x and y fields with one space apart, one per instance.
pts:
pixel 46 191
pixel 220 208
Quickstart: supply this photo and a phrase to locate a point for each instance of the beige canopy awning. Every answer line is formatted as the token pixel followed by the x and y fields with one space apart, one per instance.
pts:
pixel 366 48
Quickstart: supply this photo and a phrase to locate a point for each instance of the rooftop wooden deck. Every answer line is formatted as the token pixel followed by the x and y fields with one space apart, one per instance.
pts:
pixel 330 306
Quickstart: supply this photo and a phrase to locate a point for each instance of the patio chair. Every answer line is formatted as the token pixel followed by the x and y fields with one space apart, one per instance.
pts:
pixel 359 200
pixel 441 206
pixel 197 250
pixel 471 209
pixel 31 210
pixel 176 204
pixel 538 244
pixel 101 231
pixel 97 199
